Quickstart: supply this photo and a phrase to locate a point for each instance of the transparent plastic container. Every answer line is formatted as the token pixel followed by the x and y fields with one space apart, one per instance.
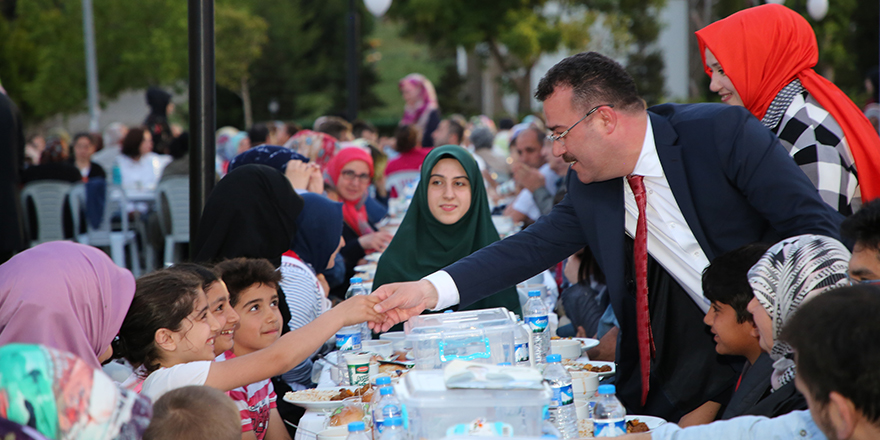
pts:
pixel 432 409
pixel 485 336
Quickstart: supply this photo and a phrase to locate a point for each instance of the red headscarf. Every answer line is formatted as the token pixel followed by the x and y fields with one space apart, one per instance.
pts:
pixel 353 211
pixel 764 48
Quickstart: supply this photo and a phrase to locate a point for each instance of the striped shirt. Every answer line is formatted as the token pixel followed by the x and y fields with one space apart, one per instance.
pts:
pixel 306 300
pixel 254 402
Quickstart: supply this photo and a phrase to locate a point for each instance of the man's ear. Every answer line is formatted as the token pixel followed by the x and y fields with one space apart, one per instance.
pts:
pixel 166 339
pixel 609 119
pixel 842 414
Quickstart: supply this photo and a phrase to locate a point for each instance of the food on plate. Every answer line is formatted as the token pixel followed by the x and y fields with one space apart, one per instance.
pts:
pixel 586 367
pixel 635 426
pixel 346 414
pixel 345 393
pixel 585 428
pixel 311 395
pixel 398 356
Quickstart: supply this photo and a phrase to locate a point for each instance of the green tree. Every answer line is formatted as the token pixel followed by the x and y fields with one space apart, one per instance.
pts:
pixel 239 41
pixel 518 32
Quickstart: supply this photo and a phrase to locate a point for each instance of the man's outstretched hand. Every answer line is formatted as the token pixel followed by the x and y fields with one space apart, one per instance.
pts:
pixel 401 301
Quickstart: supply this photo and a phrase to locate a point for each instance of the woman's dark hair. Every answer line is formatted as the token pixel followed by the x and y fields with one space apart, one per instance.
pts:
pixel 207 274
pixel 407 138
pixel 162 299
pixel 131 143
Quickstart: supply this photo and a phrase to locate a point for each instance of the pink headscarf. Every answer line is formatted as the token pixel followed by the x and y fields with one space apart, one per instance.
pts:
pixel 418 114
pixel 64 295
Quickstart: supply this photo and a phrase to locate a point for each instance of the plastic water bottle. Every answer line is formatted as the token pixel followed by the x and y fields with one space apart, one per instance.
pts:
pixel 562 411
pixel 381 383
pixel 348 338
pixel 357 431
pixel 548 429
pixel 393 429
pixel 521 345
pixel 609 415
pixel 356 287
pixel 387 408
pixel 535 316
pixel 117 175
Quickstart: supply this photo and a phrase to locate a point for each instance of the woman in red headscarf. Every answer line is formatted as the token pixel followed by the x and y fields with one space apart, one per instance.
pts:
pixel 762 58
pixel 351 171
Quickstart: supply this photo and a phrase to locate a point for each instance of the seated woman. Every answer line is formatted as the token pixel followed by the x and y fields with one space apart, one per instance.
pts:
pixel 351 171
pixel 771 74
pixel 83 149
pixel 447 220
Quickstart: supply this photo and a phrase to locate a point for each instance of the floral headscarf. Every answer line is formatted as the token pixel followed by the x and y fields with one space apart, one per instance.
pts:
pixel 418 113
pixel 790 273
pixel 318 147
pixel 64 398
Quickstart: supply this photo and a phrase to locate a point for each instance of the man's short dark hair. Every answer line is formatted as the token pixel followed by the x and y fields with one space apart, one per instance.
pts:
pixel 726 279
pixel 194 413
pixel 407 138
pixel 360 126
pixel 595 80
pixel 837 349
pixel 456 128
pixel 334 126
pixel 863 227
pixel 258 134
pixel 241 273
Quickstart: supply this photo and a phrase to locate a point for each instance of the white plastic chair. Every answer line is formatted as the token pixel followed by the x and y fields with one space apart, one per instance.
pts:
pixel 104 236
pixel 48 201
pixel 398 180
pixel 172 195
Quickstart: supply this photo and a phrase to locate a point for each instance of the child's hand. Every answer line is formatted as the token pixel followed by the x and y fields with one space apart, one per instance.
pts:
pixel 358 309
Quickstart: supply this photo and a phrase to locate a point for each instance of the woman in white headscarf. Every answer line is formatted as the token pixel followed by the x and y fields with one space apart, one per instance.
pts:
pixel 790 273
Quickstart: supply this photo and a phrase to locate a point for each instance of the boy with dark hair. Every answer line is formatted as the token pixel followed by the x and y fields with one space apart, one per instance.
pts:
pixel 193 413
pixel 726 285
pixel 253 293
pixel 863 228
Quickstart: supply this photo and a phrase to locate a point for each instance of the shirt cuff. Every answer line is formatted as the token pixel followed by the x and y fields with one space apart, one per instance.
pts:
pixel 447 292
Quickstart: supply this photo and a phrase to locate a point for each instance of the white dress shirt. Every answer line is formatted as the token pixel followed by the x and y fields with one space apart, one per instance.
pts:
pixel 670 240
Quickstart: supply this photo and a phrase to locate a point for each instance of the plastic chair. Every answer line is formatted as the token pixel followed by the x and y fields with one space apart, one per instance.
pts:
pixel 104 236
pixel 48 202
pixel 399 179
pixel 172 205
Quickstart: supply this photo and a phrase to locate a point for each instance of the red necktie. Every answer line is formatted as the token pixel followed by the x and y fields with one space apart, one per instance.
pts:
pixel 640 259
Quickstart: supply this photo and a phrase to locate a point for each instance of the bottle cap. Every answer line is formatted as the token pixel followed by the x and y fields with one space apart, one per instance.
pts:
pixel 553 358
pixel 607 389
pixel 356 280
pixel 356 426
pixel 386 390
pixel 393 421
pixel 534 293
pixel 383 380
pixel 503 364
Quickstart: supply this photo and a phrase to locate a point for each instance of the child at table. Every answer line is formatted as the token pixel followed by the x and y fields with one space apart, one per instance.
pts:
pixel 252 285
pixel 193 412
pixel 170 333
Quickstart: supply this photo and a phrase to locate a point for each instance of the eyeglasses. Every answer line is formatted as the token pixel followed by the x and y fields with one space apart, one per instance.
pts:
pixel 560 137
pixel 351 175
pixel 854 282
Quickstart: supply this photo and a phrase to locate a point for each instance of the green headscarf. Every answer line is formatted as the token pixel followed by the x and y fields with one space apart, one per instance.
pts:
pixel 423 245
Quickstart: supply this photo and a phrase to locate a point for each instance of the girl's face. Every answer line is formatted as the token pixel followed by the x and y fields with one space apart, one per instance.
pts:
pixel 146 143
pixel 763 325
pixel 354 179
pixel 449 191
pixel 227 317
pixel 721 83
pixel 410 92
pixel 195 340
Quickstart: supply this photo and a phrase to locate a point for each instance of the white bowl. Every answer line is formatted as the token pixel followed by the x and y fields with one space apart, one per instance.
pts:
pixel 398 340
pixel 381 347
pixel 334 433
pixel 566 348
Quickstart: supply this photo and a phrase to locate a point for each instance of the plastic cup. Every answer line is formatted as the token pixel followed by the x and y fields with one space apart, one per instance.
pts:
pixel 358 368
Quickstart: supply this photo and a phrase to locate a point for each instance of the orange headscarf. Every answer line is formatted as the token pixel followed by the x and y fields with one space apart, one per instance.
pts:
pixel 353 211
pixel 764 48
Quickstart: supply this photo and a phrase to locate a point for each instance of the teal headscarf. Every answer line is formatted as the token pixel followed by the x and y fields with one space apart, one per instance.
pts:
pixel 423 245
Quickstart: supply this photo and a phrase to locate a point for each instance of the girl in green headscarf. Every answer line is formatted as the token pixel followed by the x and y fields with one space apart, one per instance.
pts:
pixel 447 220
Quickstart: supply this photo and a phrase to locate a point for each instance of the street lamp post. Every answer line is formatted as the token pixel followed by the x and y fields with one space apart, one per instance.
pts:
pixel 91 66
pixel 377 8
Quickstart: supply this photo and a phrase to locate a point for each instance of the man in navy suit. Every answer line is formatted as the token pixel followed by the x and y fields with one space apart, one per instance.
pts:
pixel 714 178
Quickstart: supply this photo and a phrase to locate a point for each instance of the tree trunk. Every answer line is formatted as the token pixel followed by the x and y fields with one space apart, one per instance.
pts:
pixel 524 90
pixel 246 103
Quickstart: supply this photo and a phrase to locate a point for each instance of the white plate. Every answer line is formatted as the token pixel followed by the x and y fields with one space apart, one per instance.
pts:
pixel 652 422
pixel 586 343
pixel 313 405
pixel 374 257
pixel 598 364
pixel 368 268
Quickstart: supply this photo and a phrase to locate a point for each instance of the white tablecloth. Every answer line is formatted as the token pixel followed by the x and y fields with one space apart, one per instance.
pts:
pixel 314 420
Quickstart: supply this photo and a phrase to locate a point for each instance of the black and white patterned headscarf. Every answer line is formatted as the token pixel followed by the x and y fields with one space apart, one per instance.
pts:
pixel 790 273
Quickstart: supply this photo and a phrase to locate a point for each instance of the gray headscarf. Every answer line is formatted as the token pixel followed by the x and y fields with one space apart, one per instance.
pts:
pixel 790 273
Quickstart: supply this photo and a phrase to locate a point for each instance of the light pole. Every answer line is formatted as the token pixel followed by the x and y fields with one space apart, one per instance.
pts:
pixel 377 8
pixel 91 66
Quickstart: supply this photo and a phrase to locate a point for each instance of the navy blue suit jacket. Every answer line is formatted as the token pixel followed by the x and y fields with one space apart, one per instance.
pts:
pixel 734 183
